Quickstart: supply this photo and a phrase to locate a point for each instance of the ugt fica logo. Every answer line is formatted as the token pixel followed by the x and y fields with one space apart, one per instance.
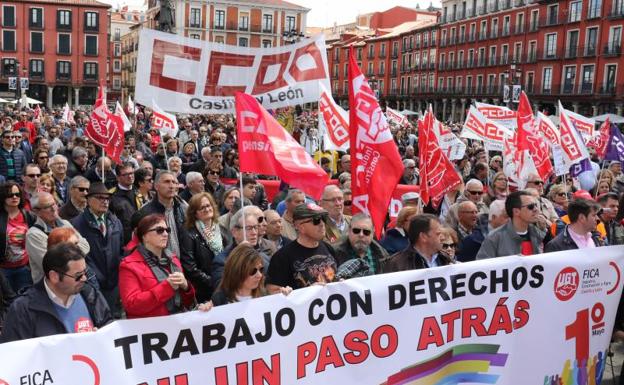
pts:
pixel 566 283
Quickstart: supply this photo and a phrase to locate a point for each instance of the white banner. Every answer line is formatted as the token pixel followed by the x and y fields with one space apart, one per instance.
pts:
pixel 499 114
pixel 396 117
pixel 198 77
pixel 333 123
pixel 478 126
pixel 449 143
pixel 505 321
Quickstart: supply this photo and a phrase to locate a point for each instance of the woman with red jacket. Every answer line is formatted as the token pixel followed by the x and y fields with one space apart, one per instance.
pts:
pixel 151 282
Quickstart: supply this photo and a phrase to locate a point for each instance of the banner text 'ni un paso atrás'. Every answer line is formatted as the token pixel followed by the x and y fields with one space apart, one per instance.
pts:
pixel 506 321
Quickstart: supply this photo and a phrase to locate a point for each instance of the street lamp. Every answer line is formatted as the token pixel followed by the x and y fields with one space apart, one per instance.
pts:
pixel 513 73
pixel 373 83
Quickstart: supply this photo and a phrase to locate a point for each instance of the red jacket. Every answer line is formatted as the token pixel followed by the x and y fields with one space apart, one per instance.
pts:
pixel 31 129
pixel 141 293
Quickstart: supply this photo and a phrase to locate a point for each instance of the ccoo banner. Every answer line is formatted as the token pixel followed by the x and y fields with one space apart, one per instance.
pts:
pixel 505 321
pixel 198 77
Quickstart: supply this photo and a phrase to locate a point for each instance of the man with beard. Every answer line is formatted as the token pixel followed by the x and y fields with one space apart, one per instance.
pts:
pixel 359 243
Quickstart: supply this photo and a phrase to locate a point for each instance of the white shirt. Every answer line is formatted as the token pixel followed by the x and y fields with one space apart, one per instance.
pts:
pixel 54 298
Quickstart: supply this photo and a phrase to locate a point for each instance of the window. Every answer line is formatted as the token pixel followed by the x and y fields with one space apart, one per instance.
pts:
pixel 8 16
pixel 243 21
pixel 117 49
pixel 36 42
pixel 64 44
pixel 382 51
pixel 520 23
pixel 569 75
pixel 609 79
pixel 195 21
pixel 91 45
pixel 35 17
pixel 91 21
pixel 36 68
pixel 90 71
pixel 63 70
pixel 63 19
pixel 243 42
pixel 591 41
pixel 117 65
pixel 116 83
pixel 219 39
pixel 8 67
pixel 506 25
pixel 291 24
pixel 395 49
pixel 572 46
pixel 117 34
pixel 553 14
pixel 371 51
pixel 382 68
pixel 550 51
pixel 615 40
pixel 534 20
pixel 492 55
pixel 267 23
pixel 483 30
pixel 494 30
pixel 8 40
pixel 219 21
pixel 504 54
pixel 530 82
pixel 547 81
pixel 517 52
pixel 575 11
pixel 587 79
pixel 594 9
pixel 532 51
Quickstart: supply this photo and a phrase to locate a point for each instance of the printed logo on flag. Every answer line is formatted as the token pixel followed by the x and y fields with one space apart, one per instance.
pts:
pixel 566 283
pixel 371 118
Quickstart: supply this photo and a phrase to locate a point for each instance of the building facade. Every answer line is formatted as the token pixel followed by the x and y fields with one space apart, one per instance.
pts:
pixel 129 50
pixel 61 47
pixel 259 23
pixel 120 23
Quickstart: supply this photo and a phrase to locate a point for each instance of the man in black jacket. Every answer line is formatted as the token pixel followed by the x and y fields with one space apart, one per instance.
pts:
pixel 59 303
pixel 359 243
pixel 581 232
pixel 124 200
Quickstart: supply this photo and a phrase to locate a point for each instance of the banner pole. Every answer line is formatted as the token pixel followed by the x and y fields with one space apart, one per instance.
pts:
pixel 103 169
pixel 240 177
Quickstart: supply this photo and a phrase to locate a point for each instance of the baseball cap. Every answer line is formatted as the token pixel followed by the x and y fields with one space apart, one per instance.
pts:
pixel 308 210
pixel 582 194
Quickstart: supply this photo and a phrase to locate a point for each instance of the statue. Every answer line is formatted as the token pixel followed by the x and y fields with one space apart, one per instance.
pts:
pixel 165 19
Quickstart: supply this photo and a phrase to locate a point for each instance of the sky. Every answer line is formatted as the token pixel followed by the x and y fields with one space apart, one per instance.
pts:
pixel 325 13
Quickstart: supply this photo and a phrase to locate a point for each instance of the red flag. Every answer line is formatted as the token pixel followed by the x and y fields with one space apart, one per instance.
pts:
pixel 37 112
pixel 97 128
pixel 116 143
pixel 265 147
pixel 437 173
pixel 600 142
pixel 528 139
pixel 376 165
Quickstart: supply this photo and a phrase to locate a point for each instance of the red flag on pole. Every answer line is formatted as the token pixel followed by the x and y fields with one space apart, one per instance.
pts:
pixel 265 147
pixel 529 140
pixel 97 129
pixel 115 145
pixel 601 141
pixel 376 165
pixel 437 173
pixel 37 112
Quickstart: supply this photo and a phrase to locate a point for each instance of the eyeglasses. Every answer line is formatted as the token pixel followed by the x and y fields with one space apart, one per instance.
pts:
pixel 475 192
pixel 59 164
pixel 77 277
pixel 315 221
pixel 347 203
pixel 215 173
pixel 204 208
pixel 260 219
pixel 248 228
pixel 448 245
pixel 103 198
pixel 14 195
pixel 357 231
pixel 43 157
pixel 33 175
pixel 537 182
pixel 160 230
pixel 255 271
pixel 82 189
pixel 530 206
pixel 561 194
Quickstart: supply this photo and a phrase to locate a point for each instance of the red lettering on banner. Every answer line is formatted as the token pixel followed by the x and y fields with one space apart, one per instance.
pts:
pixel 497 113
pixel 494 132
pixel 217 61
pixel 569 145
pixel 180 379
pixel 336 125
pixel 475 125
pixel 268 61
pixel 160 51
pixel 315 73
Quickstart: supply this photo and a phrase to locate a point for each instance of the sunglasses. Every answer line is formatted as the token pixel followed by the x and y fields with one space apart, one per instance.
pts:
pixel 448 245
pixel 33 175
pixel 475 192
pixel 260 219
pixel 357 231
pixel 561 194
pixel 78 276
pixel 537 182
pixel 347 203
pixel 82 189
pixel 248 228
pixel 43 157
pixel 255 271
pixel 161 230
pixel 530 206
pixel 315 221
pixel 215 173
pixel 14 195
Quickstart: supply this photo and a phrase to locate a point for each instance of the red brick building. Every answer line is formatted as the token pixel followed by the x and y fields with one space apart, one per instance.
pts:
pixel 61 46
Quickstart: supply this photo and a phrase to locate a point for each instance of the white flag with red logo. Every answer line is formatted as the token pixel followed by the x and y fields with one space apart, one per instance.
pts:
pixel 574 149
pixel 333 122
pixel 437 173
pixel 502 115
pixel 376 165
pixel 529 144
pixel 165 123
pixel 478 127
pixel 267 148
pixel 68 114
pixel 548 129
pixel 120 112
pixel 584 125
pixel 131 106
pixel 600 142
pixel 396 117
pixel 451 145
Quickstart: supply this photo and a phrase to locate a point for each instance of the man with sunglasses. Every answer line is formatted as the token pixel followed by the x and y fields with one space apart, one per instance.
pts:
pixel 12 159
pixel 359 243
pixel 105 234
pixel 520 235
pixel 44 206
pixel 308 260
pixel 60 303
pixel 78 189
pixel 546 208
pixel 31 176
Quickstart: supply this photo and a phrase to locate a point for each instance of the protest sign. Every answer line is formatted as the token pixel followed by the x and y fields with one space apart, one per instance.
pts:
pixel 508 321
pixel 199 77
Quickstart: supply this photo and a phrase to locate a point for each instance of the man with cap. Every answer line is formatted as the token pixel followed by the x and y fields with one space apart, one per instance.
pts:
pixel 307 260
pixel 104 232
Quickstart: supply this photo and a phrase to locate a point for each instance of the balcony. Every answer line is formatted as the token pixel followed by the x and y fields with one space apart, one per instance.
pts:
pixel 607 90
pixel 243 28
pixel 393 73
pixel 395 54
pixel 381 72
pixel 617 13
pixel 519 30
pixel 370 56
pixel 506 32
pixel 533 26
pixel 494 34
pixel 613 49
pixel 63 76
pixel 482 36
pixel 587 88
pixel 268 30
pixel 472 38
pixel 567 89
pixel 532 57
pixel 481 10
pixel 382 54
pixel 572 52
pixel 549 21
pixel 219 26
pixel 589 51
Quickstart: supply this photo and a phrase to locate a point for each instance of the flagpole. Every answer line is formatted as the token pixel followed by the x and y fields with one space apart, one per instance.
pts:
pixel 240 177
pixel 103 169
pixel 604 162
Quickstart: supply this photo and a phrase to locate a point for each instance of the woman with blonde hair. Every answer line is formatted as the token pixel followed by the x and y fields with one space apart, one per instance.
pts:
pixel 46 184
pixel 449 241
pixel 558 196
pixel 243 277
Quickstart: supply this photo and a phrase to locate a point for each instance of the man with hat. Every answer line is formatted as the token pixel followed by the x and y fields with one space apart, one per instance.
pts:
pixel 308 260
pixel 104 233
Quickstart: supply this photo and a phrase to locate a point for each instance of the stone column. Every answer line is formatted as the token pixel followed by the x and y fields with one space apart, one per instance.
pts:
pixel 49 98
pixel 454 110
pixel 436 107
pixel 76 97
pixel 444 105
pixel 575 107
pixel 619 109
pixel 463 110
pixel 594 110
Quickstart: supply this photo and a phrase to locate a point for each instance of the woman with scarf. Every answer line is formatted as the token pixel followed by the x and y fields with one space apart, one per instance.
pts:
pixel 151 282
pixel 201 242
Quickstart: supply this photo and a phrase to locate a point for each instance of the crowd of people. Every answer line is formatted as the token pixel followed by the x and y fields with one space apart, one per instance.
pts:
pixel 86 241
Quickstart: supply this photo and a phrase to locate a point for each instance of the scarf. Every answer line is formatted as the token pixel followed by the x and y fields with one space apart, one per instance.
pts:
pixel 212 236
pixel 162 267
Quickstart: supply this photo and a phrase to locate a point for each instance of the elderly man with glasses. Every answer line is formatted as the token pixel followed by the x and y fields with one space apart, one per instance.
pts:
pixel 474 192
pixel 359 244
pixel 78 189
pixel 12 159
pixel 45 208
